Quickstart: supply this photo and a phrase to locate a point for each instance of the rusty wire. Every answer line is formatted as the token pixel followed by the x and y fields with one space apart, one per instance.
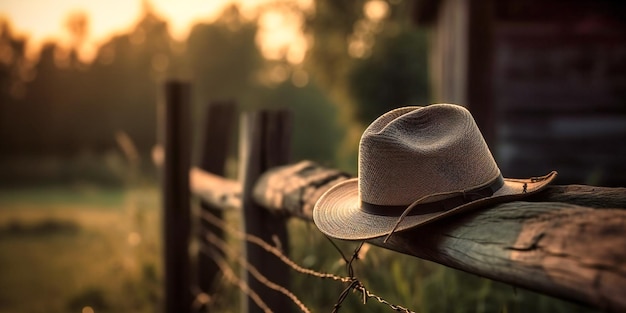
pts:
pixel 269 248
pixel 223 246
pixel 353 282
pixel 230 275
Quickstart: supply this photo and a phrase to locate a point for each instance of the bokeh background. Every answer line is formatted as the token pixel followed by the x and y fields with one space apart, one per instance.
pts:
pixel 80 227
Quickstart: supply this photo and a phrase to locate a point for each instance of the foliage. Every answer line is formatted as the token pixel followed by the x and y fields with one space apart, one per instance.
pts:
pixel 394 76
pixel 222 60
pixel 59 107
pixel 65 110
pixel 367 64
pixel 316 129
pixel 331 26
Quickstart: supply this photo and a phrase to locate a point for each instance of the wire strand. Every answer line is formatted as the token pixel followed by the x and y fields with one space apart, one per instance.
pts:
pixel 223 246
pixel 230 275
pixel 353 282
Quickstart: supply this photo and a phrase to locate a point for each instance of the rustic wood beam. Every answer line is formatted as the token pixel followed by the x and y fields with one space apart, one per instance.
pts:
pixel 174 117
pixel 218 131
pixel 265 138
pixel 214 189
pixel 567 241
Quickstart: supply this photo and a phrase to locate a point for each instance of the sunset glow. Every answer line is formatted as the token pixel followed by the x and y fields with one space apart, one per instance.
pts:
pixel 280 34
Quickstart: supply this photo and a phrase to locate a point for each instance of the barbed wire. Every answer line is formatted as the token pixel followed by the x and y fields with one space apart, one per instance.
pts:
pixel 230 275
pixel 223 246
pixel 353 282
pixel 269 248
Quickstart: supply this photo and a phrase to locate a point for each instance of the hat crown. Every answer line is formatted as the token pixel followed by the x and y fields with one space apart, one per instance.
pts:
pixel 413 152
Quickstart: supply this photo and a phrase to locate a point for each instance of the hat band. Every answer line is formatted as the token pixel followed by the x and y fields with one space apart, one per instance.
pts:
pixel 437 206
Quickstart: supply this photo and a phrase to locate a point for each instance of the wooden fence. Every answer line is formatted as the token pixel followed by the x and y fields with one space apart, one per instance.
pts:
pixel 567 241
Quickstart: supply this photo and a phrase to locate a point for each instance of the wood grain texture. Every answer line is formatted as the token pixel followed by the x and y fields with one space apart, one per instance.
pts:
pixel 566 241
pixel 564 250
pixel 295 188
pixel 218 127
pixel 264 144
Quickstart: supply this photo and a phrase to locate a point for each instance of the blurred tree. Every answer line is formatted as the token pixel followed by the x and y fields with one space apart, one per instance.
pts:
pixel 223 59
pixel 76 107
pixel 394 76
pixel 316 132
pixel 364 60
pixel 15 72
pixel 330 26
pixel 368 54
pixel 369 58
pixel 11 56
pixel 127 75
pixel 45 107
pixel 77 24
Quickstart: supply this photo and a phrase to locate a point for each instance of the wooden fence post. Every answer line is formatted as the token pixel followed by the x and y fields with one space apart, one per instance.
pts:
pixel 176 196
pixel 264 143
pixel 218 130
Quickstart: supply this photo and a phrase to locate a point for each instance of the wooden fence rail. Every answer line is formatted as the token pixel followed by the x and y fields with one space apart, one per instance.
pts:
pixel 566 241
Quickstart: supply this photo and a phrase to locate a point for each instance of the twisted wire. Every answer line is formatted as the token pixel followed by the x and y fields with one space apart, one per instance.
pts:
pixel 230 275
pixel 222 245
pixel 353 282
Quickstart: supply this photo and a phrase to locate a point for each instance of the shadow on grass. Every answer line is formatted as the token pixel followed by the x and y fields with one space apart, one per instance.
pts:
pixel 44 227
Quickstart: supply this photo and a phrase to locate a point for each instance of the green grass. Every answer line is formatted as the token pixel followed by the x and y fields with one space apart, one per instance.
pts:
pixel 63 250
pixel 45 197
pixel 66 249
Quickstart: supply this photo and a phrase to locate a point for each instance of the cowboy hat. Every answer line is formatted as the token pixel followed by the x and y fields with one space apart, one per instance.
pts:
pixel 417 165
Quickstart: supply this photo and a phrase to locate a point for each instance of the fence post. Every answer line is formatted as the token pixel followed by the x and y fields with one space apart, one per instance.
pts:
pixel 264 143
pixel 218 130
pixel 176 196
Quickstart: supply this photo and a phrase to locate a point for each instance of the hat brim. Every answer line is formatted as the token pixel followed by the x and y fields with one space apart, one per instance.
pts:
pixel 338 214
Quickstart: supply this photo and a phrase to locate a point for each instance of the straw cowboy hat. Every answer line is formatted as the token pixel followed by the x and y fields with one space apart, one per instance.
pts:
pixel 417 165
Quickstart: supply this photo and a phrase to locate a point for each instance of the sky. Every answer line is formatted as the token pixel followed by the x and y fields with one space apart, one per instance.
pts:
pixel 279 36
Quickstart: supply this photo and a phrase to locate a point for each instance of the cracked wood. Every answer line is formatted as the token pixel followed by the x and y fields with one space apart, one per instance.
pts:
pixel 567 241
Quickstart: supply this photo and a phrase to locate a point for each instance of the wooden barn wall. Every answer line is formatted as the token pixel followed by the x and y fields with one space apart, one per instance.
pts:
pixel 448 53
pixel 559 88
pixel 462 32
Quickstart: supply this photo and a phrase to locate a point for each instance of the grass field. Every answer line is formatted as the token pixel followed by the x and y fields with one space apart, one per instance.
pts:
pixel 79 250
pixel 85 249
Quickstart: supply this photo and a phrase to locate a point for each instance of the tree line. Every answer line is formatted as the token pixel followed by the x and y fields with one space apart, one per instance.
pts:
pixel 61 106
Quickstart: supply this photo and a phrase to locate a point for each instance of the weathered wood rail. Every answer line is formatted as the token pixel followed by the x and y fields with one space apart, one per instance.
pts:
pixel 567 241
